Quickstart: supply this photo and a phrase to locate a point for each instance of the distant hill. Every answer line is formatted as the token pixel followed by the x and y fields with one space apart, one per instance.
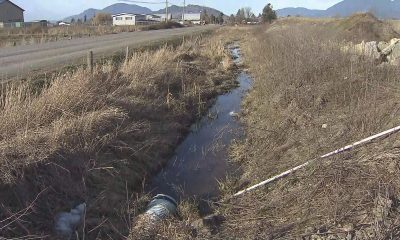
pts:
pixel 384 9
pixel 133 8
pixel 284 12
pixel 112 9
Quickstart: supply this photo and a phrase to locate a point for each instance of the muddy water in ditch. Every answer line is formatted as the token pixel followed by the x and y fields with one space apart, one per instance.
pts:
pixel 202 158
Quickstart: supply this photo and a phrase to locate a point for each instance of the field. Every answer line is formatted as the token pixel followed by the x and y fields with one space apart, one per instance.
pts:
pixel 310 98
pixel 36 34
pixel 93 137
pixel 395 24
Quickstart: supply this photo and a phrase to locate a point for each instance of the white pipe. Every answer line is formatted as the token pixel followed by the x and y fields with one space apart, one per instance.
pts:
pixel 340 150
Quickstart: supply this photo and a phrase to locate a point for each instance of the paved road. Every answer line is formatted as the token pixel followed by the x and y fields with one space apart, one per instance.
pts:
pixel 23 60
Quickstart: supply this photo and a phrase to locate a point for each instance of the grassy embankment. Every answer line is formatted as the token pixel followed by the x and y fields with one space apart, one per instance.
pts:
pixel 310 98
pixel 395 24
pixel 35 35
pixel 94 137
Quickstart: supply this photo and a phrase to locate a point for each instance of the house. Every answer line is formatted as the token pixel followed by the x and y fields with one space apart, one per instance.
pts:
pixel 126 19
pixel 9 12
pixel 194 18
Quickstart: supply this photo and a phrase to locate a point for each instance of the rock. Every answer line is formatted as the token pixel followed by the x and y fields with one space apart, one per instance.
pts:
pixel 394 41
pixel 369 49
pixel 382 45
pixel 388 50
pixel 67 222
pixel 395 52
pixel 359 48
pixel 382 51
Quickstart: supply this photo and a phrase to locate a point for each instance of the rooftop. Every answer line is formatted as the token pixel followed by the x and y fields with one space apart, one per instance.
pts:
pixel 2 1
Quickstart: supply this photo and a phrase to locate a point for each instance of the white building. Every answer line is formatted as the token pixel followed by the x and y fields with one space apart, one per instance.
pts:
pixel 194 18
pixel 64 24
pixel 153 17
pixel 162 16
pixel 125 19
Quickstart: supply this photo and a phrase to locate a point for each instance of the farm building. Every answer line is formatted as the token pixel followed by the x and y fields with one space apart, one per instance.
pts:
pixel 194 18
pixel 126 19
pixel 9 12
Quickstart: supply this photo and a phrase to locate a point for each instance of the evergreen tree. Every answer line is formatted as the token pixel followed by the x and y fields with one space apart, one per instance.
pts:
pixel 221 18
pixel 240 16
pixel 269 14
pixel 204 17
pixel 232 19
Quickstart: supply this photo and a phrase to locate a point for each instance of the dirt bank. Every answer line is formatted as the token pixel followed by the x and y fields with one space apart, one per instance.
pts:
pixel 309 98
pixel 93 137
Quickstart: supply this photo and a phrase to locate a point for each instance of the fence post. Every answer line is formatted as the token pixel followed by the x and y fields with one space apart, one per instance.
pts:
pixel 127 55
pixel 90 61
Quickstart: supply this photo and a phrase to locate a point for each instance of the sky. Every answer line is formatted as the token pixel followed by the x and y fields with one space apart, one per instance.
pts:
pixel 59 9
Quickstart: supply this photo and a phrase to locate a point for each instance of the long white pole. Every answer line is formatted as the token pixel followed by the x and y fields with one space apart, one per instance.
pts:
pixel 184 10
pixel 337 151
pixel 166 10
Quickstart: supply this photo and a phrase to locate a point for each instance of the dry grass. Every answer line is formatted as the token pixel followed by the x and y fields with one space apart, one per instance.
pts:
pixel 302 81
pixel 179 227
pixel 395 24
pixel 36 35
pixel 93 137
pixel 366 27
pixel 356 28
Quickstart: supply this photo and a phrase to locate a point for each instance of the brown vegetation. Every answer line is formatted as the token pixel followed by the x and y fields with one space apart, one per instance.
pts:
pixel 37 34
pixel 309 98
pixel 102 19
pixel 395 24
pixel 93 137
pixel 366 27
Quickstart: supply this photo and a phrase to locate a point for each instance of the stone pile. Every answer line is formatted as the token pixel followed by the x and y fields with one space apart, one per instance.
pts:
pixel 383 51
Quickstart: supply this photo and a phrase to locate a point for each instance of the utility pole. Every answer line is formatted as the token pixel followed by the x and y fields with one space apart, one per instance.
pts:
pixel 166 11
pixel 184 11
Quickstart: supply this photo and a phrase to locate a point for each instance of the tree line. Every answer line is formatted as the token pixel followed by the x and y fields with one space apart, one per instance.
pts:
pixel 212 19
pixel 98 19
pixel 246 15
pixel 243 15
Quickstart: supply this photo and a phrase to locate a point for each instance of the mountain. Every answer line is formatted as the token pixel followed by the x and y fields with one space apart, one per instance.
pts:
pixel 385 9
pixel 177 10
pixel 112 9
pixel 284 12
pixel 132 8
